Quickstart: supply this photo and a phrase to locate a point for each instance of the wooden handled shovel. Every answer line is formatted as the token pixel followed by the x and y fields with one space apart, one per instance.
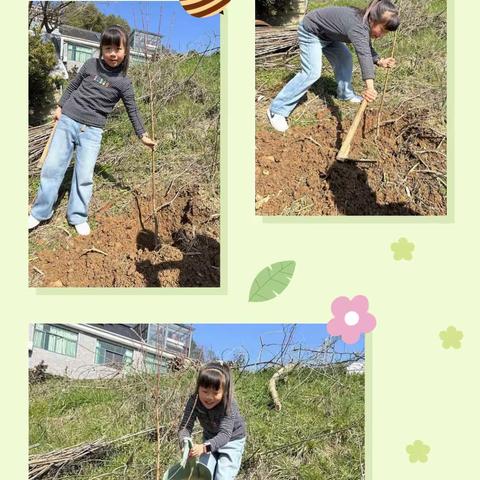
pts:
pixel 47 146
pixel 345 150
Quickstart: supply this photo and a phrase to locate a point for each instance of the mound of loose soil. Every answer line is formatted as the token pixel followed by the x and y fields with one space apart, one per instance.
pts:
pixel 120 252
pixel 297 174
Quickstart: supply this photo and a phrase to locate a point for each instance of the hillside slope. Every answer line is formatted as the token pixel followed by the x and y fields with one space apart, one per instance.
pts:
pixel 318 434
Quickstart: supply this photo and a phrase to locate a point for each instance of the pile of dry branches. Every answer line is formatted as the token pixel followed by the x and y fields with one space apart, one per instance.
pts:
pixel 45 463
pixel 275 46
pixel 37 139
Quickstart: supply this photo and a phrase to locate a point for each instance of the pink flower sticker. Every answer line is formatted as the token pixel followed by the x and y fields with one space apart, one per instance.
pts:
pixel 350 318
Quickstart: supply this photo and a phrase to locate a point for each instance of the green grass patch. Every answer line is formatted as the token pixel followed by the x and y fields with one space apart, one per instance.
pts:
pixel 317 434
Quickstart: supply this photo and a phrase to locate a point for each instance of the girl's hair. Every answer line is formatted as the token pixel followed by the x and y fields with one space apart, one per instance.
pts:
pixel 116 35
pixel 375 13
pixel 216 375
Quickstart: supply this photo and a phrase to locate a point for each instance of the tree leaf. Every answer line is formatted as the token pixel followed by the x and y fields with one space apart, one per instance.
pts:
pixel 271 281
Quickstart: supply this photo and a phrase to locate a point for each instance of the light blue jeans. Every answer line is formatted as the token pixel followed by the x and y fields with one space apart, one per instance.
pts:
pixel 69 135
pixel 311 50
pixel 225 462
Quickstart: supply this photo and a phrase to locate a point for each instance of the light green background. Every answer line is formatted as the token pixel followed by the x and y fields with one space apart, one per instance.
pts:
pixel 418 389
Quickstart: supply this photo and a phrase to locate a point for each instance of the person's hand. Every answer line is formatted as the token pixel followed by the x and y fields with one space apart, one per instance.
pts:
pixel 57 114
pixel 149 142
pixel 387 62
pixel 196 451
pixel 370 94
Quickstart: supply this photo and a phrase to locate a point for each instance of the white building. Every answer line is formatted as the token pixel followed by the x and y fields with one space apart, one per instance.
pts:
pixel 74 46
pixel 105 350
pixel 356 368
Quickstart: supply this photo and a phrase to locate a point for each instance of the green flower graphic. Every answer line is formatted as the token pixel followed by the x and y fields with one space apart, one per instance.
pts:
pixel 451 338
pixel 402 250
pixel 418 451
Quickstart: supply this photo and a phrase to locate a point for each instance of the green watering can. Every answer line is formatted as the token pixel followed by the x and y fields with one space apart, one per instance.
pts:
pixel 188 468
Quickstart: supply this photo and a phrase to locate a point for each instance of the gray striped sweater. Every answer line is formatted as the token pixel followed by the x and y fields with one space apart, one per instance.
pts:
pixel 218 429
pixel 344 24
pixel 92 94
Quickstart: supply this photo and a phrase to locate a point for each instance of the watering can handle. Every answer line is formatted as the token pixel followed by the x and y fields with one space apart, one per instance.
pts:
pixel 187 445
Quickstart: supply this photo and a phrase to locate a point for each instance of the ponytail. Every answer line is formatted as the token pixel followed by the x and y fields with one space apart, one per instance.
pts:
pixel 375 13
pixel 369 9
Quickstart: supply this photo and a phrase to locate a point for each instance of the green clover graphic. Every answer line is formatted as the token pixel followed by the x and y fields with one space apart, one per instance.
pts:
pixel 451 338
pixel 402 250
pixel 418 452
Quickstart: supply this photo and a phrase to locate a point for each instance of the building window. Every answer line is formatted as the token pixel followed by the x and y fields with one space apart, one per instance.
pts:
pixel 55 339
pixel 112 355
pixel 178 340
pixel 78 53
pixel 156 336
pixel 154 364
pixel 170 338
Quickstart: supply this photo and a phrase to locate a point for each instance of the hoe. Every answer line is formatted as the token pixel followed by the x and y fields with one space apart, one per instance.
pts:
pixel 343 154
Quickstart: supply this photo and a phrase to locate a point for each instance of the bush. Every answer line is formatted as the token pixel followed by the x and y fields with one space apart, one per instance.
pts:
pixel 279 12
pixel 41 86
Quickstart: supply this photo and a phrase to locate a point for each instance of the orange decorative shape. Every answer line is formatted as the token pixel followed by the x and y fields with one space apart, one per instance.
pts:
pixel 204 8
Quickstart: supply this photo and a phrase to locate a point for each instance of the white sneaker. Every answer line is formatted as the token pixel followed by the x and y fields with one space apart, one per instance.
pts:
pixel 355 99
pixel 32 222
pixel 83 229
pixel 277 121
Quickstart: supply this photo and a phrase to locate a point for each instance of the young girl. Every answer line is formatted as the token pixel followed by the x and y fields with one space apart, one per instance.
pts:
pixel 81 115
pixel 223 426
pixel 325 31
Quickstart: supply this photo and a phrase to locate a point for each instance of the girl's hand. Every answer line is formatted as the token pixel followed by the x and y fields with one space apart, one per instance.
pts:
pixel 57 114
pixel 196 451
pixel 387 62
pixel 148 142
pixel 370 94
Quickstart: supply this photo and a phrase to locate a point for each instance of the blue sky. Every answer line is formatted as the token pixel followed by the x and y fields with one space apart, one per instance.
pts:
pixel 181 31
pixel 225 339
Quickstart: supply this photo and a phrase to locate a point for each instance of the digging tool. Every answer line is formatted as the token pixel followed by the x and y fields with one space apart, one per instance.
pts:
pixel 188 468
pixel 342 155
pixel 47 146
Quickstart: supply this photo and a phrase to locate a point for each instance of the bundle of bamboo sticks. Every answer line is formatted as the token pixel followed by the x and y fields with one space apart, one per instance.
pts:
pixel 46 463
pixel 37 139
pixel 275 45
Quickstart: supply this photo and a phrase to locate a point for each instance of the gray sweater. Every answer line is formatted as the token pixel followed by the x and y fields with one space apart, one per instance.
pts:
pixel 218 429
pixel 93 93
pixel 344 24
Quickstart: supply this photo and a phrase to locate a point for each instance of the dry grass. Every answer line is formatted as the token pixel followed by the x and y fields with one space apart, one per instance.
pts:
pixel 318 433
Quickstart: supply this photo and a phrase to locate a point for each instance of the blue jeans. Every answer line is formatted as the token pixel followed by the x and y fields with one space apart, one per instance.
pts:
pixel 311 50
pixel 69 135
pixel 225 462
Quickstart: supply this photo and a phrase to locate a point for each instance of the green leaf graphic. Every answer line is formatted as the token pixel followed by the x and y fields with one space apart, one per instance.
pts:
pixel 271 281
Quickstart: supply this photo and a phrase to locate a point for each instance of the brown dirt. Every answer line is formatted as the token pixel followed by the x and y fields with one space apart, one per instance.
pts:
pixel 188 255
pixel 297 174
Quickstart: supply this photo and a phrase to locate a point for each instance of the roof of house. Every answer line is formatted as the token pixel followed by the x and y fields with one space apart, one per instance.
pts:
pixel 119 329
pixel 80 33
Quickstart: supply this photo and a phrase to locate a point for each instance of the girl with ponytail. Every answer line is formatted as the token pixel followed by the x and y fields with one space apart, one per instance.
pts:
pixel 325 31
